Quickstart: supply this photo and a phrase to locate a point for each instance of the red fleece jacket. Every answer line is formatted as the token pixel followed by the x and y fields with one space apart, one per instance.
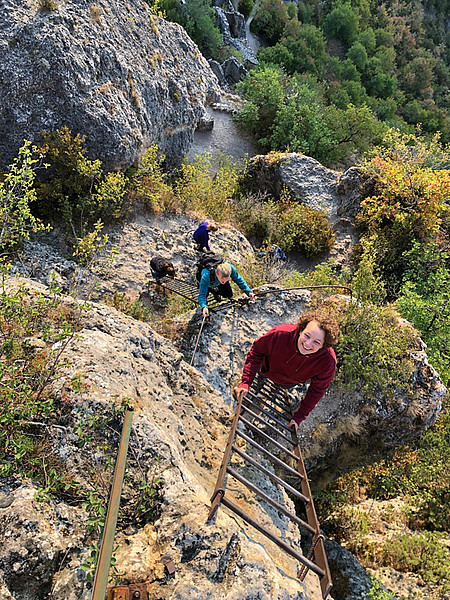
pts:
pixel 277 357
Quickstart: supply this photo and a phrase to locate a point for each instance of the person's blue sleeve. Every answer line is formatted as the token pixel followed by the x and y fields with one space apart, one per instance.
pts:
pixel 239 281
pixel 203 288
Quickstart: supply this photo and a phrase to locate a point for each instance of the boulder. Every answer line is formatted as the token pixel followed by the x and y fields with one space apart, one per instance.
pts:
pixel 111 71
pixel 233 70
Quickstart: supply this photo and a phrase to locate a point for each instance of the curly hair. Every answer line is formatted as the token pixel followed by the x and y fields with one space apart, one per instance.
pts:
pixel 326 323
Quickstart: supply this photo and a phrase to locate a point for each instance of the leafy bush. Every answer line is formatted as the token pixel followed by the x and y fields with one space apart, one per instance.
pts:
pixel 149 184
pixel 256 217
pixel 425 554
pixel 76 191
pixel 424 299
pixel 206 185
pixel 270 19
pixel 16 195
pixel 304 229
pixel 405 208
pixel 133 308
pixel 245 7
pixel 34 331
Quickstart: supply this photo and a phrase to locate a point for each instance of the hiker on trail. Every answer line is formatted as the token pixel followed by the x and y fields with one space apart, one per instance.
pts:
pixel 217 280
pixel 201 235
pixel 161 267
pixel 292 354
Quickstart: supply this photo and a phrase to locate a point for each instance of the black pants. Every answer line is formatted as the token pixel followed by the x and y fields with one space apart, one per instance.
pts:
pixel 224 290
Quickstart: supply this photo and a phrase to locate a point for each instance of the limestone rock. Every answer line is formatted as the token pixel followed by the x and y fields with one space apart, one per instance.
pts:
pixel 180 428
pixel 111 71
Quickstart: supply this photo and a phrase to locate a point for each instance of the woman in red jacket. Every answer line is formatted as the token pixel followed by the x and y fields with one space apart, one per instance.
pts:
pixel 292 354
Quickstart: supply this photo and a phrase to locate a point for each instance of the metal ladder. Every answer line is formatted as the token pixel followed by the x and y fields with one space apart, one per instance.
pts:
pixel 262 417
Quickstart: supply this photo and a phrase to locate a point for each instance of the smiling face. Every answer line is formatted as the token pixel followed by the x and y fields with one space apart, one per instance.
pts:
pixel 311 339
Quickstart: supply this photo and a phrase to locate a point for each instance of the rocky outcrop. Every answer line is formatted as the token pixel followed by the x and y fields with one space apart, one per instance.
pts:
pixel 336 194
pixel 231 25
pixel 111 71
pixel 180 427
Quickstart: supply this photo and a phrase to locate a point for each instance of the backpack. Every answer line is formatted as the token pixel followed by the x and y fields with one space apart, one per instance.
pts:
pixel 210 262
pixel 276 252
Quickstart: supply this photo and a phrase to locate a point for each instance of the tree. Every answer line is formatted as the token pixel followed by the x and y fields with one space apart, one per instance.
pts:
pixel 342 24
pixel 270 20
pixel 264 91
pixel 199 23
pixel 405 208
pixel 358 55
pixel 355 129
pixel 300 126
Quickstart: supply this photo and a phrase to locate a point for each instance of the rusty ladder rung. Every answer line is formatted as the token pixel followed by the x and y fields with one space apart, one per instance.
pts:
pixel 272 394
pixel 266 412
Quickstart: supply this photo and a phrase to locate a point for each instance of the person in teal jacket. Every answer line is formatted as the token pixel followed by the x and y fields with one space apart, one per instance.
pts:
pixel 221 284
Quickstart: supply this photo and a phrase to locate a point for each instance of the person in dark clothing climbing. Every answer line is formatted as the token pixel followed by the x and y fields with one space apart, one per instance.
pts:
pixel 161 267
pixel 201 235
pixel 292 354
pixel 221 282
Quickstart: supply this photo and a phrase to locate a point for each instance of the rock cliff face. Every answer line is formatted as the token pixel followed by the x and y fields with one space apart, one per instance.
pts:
pixel 180 427
pixel 110 71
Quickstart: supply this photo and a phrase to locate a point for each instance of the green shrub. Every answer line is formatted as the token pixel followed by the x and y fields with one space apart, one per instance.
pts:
pixel 125 304
pixel 256 217
pixel 245 7
pixel 377 592
pixel 304 229
pixel 149 183
pixel 425 554
pixel 207 184
pixel 225 52
pixel 17 194
pixel 76 192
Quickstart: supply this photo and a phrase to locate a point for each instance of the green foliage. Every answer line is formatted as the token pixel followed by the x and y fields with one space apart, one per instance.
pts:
pixel 149 184
pixel 89 247
pixel 206 185
pixel 270 19
pixel 377 592
pixel 358 55
pixel 374 347
pixel 264 92
pixel 300 126
pixel 16 195
pixel 245 7
pixel 226 52
pixel 47 5
pixel 34 331
pixel 304 229
pixel 424 299
pixel 256 217
pixel 425 554
pixel 77 192
pixel 125 304
pixel 405 208
pixel 342 24
pixel 198 17
pixel 301 50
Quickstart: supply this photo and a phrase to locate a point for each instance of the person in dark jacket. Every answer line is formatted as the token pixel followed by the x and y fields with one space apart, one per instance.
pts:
pixel 292 354
pixel 161 267
pixel 221 284
pixel 201 235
